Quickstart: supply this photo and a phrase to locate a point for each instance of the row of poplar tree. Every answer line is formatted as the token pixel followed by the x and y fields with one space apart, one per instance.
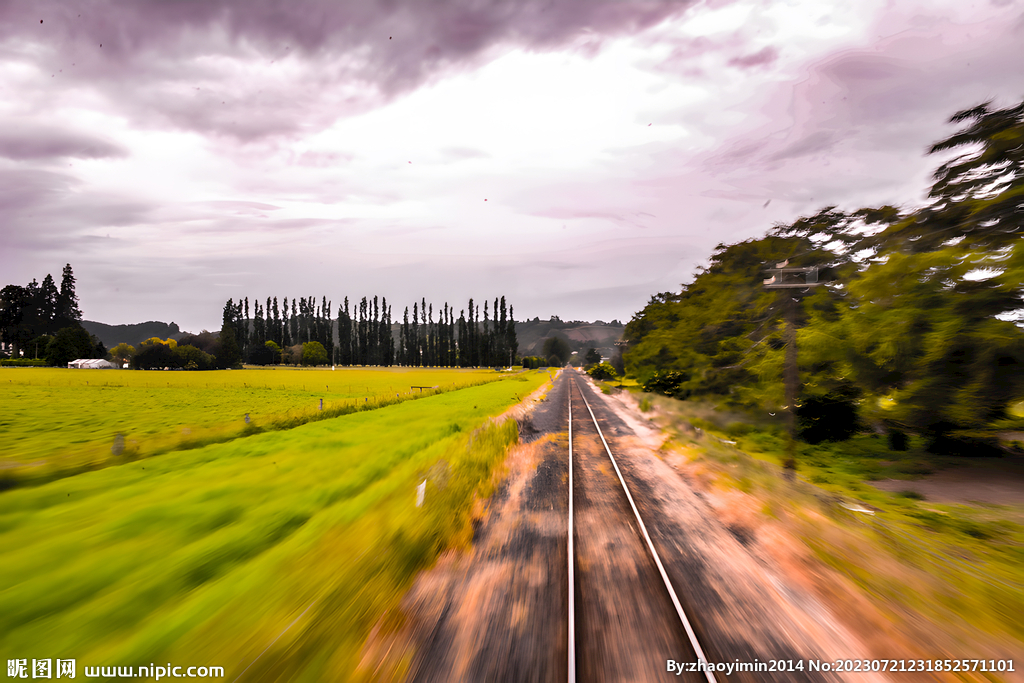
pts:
pixel 365 331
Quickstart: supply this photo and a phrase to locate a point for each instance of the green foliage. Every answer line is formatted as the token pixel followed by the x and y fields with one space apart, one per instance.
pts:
pixel 122 353
pixel 556 350
pixel 921 316
pixel 155 356
pixel 23 363
pixel 192 358
pixel 897 440
pixel 667 383
pixel 36 348
pixel 275 352
pixel 292 355
pixel 602 371
pixel 313 353
pixel 230 356
pixel 829 417
pixel 28 312
pixel 70 343
pixel 592 357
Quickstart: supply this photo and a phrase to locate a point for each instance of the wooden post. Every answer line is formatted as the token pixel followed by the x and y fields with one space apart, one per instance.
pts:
pixel 783 278
pixel 792 379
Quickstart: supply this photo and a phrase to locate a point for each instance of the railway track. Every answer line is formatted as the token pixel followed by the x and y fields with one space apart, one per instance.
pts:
pixel 640 623
pixel 612 582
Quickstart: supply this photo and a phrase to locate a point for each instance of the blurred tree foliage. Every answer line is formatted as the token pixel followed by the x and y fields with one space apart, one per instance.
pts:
pixel 313 353
pixel 603 371
pixel 70 343
pixel 556 350
pixel 29 313
pixel 156 354
pixel 918 315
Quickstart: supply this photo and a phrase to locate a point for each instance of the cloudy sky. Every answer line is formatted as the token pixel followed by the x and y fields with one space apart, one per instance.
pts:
pixel 576 156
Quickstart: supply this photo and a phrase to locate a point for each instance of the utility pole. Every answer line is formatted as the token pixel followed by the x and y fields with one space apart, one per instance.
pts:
pixel 786 278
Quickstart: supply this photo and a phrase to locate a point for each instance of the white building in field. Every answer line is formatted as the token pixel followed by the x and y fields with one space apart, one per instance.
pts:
pixel 91 364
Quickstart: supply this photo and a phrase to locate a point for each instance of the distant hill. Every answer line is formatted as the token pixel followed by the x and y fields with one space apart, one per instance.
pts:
pixel 580 335
pixel 112 335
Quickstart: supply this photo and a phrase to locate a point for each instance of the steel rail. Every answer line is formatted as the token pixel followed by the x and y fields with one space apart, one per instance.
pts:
pixel 572 578
pixel 650 544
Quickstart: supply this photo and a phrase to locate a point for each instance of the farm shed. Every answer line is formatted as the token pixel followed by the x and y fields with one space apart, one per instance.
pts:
pixel 91 364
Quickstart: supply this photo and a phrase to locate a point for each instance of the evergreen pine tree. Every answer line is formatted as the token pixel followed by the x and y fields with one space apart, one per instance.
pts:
pixel 47 306
pixel 67 302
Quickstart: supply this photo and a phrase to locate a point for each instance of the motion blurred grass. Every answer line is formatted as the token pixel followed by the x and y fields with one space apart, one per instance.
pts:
pixel 205 556
pixel 956 564
pixel 58 421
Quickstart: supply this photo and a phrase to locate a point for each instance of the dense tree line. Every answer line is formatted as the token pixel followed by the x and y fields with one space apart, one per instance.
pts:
pixel 41 321
pixel 366 332
pixel 260 333
pixel 915 330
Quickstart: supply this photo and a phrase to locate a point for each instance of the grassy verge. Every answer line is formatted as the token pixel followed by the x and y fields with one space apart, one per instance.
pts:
pixel 955 566
pixel 64 422
pixel 619 384
pixel 206 556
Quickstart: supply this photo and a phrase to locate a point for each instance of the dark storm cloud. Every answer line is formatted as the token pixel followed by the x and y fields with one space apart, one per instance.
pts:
pixel 29 142
pixel 388 46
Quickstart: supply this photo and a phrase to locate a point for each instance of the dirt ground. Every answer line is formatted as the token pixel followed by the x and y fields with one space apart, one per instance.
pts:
pixel 986 481
pixel 882 630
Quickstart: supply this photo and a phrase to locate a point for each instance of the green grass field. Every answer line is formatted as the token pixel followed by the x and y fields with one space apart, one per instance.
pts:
pixel 205 556
pixel 59 421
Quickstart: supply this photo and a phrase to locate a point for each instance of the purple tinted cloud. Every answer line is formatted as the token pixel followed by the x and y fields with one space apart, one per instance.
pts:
pixel 28 142
pixel 265 201
pixel 762 57
pixel 155 56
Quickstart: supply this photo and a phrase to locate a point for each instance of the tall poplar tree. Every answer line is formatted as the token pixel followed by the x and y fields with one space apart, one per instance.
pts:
pixel 294 322
pixel 510 335
pixel 286 333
